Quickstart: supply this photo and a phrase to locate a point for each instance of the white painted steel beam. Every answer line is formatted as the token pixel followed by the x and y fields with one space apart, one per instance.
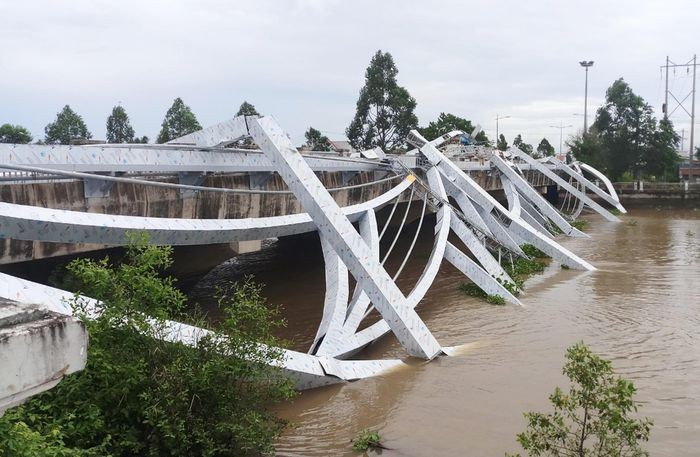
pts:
pixel 515 226
pixel 165 158
pixel 564 184
pixel 535 197
pixel 34 223
pixel 410 330
pixel 473 271
pixel 561 166
pixel 308 371
pixel 603 178
pixel 355 341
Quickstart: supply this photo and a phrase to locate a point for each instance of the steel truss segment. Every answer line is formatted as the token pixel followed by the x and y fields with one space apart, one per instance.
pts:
pixel 307 371
pixel 604 179
pixel 515 226
pixel 564 184
pixel 166 158
pixel 518 182
pixel 493 227
pixel 354 342
pixel 33 223
pixel 336 298
pixel 437 142
pixel 476 247
pixel 528 214
pixel 220 134
pixel 587 183
pixel 466 206
pixel 337 334
pixel 481 278
pixel 346 241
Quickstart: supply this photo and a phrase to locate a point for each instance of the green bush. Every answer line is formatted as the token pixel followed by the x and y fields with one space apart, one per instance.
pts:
pixel 594 419
pixel 580 224
pixel 367 439
pixel 532 251
pixel 139 395
pixel 496 300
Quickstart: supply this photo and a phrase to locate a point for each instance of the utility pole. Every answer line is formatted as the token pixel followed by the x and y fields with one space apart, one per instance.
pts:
pixel 679 104
pixel 585 64
pixel 561 128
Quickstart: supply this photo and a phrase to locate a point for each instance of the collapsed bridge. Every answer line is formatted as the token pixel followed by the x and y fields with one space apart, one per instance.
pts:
pixel 350 235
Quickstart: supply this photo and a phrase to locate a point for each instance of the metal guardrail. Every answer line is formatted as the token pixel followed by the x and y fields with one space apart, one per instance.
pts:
pixel 651 187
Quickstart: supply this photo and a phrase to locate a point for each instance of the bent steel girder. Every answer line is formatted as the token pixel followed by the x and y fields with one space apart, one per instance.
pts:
pixel 537 165
pixel 514 225
pixel 337 290
pixel 608 185
pixel 478 217
pixel 347 242
pixel 534 196
pixel 354 341
pixel 333 342
pixel 307 371
pixel 474 272
pixel 578 176
pixel 161 158
pixel 33 223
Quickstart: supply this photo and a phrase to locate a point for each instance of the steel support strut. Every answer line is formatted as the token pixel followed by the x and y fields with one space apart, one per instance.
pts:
pixel 335 227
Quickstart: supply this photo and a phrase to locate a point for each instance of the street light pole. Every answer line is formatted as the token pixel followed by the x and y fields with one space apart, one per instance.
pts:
pixel 561 128
pixel 585 64
pixel 497 119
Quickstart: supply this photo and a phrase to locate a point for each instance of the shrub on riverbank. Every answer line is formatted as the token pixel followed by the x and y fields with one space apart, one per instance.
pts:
pixel 139 395
pixel 595 418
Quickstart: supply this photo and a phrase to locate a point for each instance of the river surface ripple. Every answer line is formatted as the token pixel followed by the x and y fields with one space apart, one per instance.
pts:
pixel 640 309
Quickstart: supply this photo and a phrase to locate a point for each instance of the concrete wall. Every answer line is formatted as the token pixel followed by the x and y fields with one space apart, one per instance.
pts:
pixel 37 349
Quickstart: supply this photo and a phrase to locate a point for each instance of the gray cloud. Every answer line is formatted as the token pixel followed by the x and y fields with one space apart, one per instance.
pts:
pixel 304 61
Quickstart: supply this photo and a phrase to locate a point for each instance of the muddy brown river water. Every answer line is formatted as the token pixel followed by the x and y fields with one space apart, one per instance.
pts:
pixel 640 309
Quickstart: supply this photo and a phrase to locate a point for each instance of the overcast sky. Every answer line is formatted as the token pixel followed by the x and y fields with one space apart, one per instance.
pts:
pixel 304 61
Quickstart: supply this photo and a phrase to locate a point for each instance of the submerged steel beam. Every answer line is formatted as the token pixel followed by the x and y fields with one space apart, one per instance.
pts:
pixel 514 225
pixel 535 197
pixel 347 242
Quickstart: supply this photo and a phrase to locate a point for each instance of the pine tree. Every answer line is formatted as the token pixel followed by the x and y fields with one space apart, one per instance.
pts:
pixel 247 109
pixel 179 121
pixel 385 110
pixel 316 141
pixel 119 129
pixel 67 127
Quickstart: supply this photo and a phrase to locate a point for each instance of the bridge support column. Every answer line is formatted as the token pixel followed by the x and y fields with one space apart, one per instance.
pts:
pixel 244 247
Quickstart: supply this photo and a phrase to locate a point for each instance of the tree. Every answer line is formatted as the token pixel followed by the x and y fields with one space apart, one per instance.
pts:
pixel 502 144
pixel 179 121
pixel 446 123
pixel 143 140
pixel 119 129
pixel 626 127
pixel 246 109
pixel 67 127
pixel 384 115
pixel 594 419
pixel 520 144
pixel 316 141
pixel 545 149
pixel 14 134
pixel 660 156
pixel 140 395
